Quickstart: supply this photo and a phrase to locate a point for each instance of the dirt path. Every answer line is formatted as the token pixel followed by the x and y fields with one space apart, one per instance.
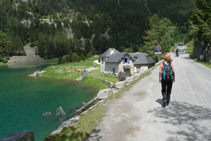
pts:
pixel 139 116
pixel 31 59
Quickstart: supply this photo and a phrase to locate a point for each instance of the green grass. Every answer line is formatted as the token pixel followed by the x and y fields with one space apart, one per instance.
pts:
pixel 82 127
pixel 73 74
pixel 52 62
pixel 190 43
pixel 190 46
pixel 189 50
pixel 207 64
pixel 2 64
pixel 88 62
pixel 97 74
pixel 95 83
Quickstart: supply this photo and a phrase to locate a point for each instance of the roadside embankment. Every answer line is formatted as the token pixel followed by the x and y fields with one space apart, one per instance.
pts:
pixel 82 125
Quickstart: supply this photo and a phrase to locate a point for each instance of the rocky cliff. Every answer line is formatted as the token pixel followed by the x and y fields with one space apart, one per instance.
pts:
pixel 202 51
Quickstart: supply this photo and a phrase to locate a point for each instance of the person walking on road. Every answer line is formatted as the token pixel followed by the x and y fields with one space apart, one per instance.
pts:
pixel 177 52
pixel 166 78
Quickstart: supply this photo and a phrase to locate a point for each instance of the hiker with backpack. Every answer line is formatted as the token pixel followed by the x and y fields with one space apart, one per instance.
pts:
pixel 166 78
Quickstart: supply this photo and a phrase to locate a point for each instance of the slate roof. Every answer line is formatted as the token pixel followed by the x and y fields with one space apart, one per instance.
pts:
pixel 141 58
pixel 138 57
pixel 114 58
pixel 107 52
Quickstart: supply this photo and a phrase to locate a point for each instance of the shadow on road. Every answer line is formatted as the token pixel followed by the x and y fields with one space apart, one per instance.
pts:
pixel 94 136
pixel 188 58
pixel 193 121
pixel 160 101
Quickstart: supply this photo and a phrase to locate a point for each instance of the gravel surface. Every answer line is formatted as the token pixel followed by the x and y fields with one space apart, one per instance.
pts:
pixel 139 116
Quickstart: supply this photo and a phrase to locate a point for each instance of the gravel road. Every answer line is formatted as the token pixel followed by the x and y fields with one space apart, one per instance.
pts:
pixel 139 116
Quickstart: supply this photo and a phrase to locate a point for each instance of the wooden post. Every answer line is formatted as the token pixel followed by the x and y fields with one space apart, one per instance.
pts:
pixel 158 56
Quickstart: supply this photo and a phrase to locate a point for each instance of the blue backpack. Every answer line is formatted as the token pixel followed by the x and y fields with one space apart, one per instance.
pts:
pixel 167 72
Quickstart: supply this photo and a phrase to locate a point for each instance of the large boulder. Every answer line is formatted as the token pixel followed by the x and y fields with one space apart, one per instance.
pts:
pixel 120 84
pixel 130 79
pixel 79 79
pixel 103 94
pixel 20 136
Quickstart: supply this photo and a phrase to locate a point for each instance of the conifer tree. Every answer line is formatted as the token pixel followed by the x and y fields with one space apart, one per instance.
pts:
pixel 160 33
pixel 201 19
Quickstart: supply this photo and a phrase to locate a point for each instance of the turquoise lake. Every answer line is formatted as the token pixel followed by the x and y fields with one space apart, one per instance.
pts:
pixel 24 99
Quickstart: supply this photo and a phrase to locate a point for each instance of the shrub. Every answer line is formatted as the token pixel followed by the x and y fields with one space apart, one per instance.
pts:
pixel 60 60
pixel 4 59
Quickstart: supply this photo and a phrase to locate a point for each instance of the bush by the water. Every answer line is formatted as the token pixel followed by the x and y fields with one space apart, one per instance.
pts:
pixel 4 59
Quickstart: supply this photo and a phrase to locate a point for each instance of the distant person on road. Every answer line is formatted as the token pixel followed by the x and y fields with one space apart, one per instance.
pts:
pixel 166 78
pixel 177 52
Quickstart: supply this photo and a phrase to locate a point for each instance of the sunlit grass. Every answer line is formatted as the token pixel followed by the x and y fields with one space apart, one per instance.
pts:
pixel 2 64
pixel 71 71
pixel 95 83
pixel 207 64
pixel 81 129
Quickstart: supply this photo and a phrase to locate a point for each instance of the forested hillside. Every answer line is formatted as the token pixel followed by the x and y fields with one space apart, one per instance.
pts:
pixel 80 28
pixel 200 30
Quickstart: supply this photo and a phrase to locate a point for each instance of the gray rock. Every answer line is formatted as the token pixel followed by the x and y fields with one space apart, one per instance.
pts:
pixel 103 94
pixel 111 85
pixel 20 136
pixel 120 84
pixel 130 79
pixel 46 114
pixel 80 79
pixel 136 76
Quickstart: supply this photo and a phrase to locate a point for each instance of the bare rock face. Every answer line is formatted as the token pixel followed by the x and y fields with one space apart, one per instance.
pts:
pixel 121 76
pixel 103 94
pixel 20 136
pixel 202 51
pixel 31 59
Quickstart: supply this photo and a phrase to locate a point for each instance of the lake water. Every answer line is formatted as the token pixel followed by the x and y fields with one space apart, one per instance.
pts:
pixel 23 100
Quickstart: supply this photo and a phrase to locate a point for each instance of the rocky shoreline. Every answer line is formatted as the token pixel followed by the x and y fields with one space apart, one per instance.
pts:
pixel 103 95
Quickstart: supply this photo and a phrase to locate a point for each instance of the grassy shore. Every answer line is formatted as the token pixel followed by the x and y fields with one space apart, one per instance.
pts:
pixel 81 129
pixel 2 64
pixel 70 71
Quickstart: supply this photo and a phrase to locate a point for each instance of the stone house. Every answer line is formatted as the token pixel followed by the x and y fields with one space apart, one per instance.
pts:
pixel 112 62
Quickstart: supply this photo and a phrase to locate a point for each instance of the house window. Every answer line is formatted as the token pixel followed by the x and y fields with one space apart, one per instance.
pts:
pixel 126 60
